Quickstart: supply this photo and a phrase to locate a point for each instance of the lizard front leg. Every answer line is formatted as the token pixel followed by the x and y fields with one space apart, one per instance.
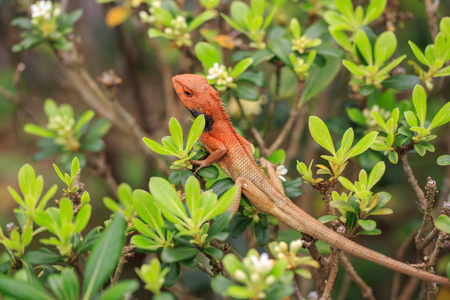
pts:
pixel 272 175
pixel 216 149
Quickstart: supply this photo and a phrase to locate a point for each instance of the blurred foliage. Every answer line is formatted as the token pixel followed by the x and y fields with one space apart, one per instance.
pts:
pixel 370 74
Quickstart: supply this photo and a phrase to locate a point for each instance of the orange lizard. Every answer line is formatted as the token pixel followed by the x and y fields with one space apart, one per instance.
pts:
pixel 234 155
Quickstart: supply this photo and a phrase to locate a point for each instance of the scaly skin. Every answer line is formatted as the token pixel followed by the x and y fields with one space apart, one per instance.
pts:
pixel 233 154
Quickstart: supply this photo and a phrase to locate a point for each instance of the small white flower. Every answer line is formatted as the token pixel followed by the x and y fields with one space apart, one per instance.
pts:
pixel 215 71
pixel 240 275
pixel 263 264
pixel 281 170
pixel 41 8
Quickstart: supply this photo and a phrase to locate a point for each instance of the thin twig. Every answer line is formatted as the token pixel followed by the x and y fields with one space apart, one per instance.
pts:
pixel 290 122
pixel 412 180
pixel 126 252
pixel 400 255
pixel 344 287
pixel 431 7
pixel 334 267
pixel 205 269
pixel 297 293
pixel 310 244
pixel 409 289
pixel 294 143
pixel 366 291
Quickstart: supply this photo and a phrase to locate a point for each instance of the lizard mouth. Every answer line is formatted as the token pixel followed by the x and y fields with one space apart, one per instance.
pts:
pixel 209 121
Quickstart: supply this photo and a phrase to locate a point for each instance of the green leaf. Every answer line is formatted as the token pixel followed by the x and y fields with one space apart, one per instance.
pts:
pixel 210 172
pixel 83 120
pixel 22 290
pixel 420 103
pixel 163 16
pixel 281 48
pixel 327 218
pixel 367 225
pixel 363 44
pixel 207 54
pixel 42 256
pixel 168 200
pixel 214 252
pixel 176 132
pixel 385 46
pixel 362 145
pixel 147 209
pixel 39 131
pixel 158 148
pixel 354 68
pixel 241 67
pixel 320 134
pixel 75 167
pixel 221 186
pixel 239 11
pixel 256 78
pixel 119 290
pixel 345 7
pixel 82 218
pixel 356 116
pixel 443 223
pixel 374 10
pixel 201 18
pixel 220 284
pixel 420 149
pixel 376 174
pixel 443 160
pixel 441 118
pixel 419 54
pixel 178 254
pixel 245 92
pixel 22 22
pixel 222 204
pixel 195 132
pixel 295 28
pixel 98 129
pixel 372 232
pixel 89 240
pixel 320 77
pixel 401 82
pixel 342 205
pixel 104 257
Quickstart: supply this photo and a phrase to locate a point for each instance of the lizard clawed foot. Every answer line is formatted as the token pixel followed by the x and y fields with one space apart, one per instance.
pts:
pixel 200 163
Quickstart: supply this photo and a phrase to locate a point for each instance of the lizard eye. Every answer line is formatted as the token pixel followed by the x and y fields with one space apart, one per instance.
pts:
pixel 200 109
pixel 189 94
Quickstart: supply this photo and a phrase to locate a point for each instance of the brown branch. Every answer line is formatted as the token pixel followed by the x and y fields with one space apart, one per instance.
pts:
pixel 344 287
pixel 431 190
pixel 205 269
pixel 366 291
pixel 127 251
pixel 412 180
pixel 400 257
pixel 290 122
pixel 334 267
pixel 166 76
pixel 431 7
pixel 409 289
pixel 310 244
pixel 294 143
pixel 297 293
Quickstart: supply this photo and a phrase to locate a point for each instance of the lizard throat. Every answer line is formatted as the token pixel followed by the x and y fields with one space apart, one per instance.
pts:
pixel 209 121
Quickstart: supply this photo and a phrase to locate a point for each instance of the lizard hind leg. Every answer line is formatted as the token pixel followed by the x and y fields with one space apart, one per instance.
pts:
pixel 257 197
pixel 272 175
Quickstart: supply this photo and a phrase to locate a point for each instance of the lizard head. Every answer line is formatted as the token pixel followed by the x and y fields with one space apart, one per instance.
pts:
pixel 196 94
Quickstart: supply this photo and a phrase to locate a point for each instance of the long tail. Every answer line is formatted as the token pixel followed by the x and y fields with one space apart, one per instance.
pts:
pixel 299 220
